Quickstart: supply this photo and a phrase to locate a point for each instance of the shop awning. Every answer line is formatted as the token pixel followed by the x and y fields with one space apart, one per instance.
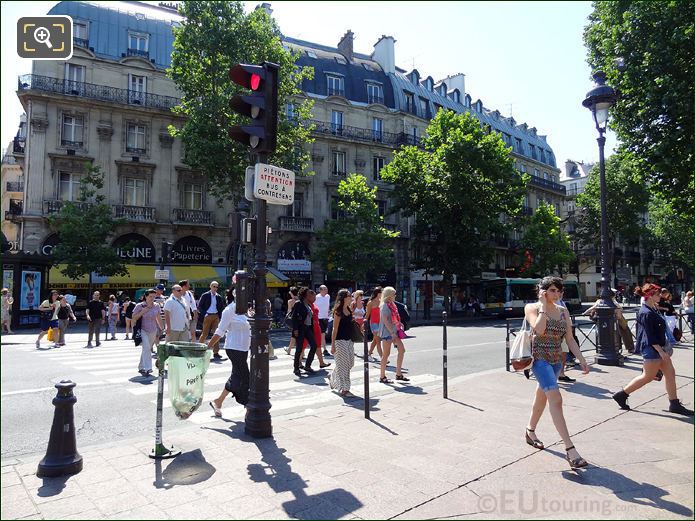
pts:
pixel 276 279
pixel 138 276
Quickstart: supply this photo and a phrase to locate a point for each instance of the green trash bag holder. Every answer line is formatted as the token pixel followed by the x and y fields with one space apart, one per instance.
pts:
pixel 164 351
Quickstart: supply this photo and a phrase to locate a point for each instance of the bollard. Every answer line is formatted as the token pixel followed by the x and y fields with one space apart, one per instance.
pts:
pixel 62 456
pixel 444 370
pixel 507 348
pixel 366 371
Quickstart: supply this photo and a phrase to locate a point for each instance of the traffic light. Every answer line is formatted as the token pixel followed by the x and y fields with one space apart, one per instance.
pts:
pixel 261 105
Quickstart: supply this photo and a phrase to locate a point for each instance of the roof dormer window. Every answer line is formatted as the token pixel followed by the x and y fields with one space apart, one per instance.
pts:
pixel 479 106
pixel 468 101
pixel 429 84
pixel 415 77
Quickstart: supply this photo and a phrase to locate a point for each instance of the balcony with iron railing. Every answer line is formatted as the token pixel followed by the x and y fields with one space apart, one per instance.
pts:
pixel 296 224
pixel 134 213
pixel 375 99
pixel 336 92
pixel 138 52
pixel 14 186
pixel 71 144
pixel 80 42
pixel 54 206
pixel 15 211
pixel 136 150
pixel 18 145
pixel 550 185
pixel 189 216
pixel 104 93
pixel 366 135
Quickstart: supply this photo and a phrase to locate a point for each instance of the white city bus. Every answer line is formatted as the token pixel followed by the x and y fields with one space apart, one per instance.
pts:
pixel 507 297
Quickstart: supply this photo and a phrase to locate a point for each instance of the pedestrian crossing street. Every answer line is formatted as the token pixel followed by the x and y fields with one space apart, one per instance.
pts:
pixel 117 363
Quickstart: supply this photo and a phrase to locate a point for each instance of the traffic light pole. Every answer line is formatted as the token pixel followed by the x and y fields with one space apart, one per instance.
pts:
pixel 258 421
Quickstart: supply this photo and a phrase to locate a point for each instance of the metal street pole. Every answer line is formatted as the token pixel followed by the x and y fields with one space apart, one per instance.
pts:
pixel 599 100
pixel 258 422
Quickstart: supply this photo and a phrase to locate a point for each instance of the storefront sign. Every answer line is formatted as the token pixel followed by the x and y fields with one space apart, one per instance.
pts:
pixel 191 250
pixel 273 184
pixel 135 247
pixel 293 257
pixel 49 243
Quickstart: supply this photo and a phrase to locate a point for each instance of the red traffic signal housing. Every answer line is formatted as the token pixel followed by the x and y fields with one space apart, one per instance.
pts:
pixel 261 105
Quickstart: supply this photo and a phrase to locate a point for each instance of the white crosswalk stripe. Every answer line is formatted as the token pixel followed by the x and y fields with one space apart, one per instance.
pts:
pixel 117 363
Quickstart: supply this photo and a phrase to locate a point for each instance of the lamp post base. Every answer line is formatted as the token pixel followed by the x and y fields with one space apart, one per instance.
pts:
pixel 608 345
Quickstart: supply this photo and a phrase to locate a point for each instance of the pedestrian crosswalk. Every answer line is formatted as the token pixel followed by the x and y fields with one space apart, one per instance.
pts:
pixel 117 363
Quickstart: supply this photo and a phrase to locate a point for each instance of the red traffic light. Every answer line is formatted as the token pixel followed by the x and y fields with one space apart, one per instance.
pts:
pixel 249 76
pixel 255 81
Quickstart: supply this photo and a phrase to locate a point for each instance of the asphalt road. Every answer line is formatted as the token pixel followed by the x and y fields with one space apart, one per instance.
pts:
pixel 114 402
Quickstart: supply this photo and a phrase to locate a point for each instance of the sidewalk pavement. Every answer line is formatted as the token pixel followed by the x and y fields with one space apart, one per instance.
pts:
pixel 419 457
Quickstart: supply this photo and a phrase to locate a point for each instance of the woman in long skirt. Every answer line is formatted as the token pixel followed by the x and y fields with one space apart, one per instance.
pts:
pixel 342 346
pixel 236 328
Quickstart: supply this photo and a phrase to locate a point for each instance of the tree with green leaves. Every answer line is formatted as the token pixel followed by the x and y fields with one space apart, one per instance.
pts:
pixel 671 233
pixel 647 52
pixel 84 227
pixel 357 242
pixel 458 188
pixel 212 38
pixel 548 245
pixel 627 198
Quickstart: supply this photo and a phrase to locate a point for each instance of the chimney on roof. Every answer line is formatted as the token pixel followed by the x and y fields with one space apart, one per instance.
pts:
pixel 345 45
pixel 457 81
pixel 266 7
pixel 384 54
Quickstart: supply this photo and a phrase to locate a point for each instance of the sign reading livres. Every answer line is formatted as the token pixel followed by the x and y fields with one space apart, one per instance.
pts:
pixel 273 184
pixel 191 250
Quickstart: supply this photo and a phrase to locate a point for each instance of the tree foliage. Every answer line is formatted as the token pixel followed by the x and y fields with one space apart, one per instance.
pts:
pixel 671 233
pixel 549 246
pixel 627 198
pixel 84 227
pixel 212 38
pixel 357 243
pixel 457 187
pixel 654 115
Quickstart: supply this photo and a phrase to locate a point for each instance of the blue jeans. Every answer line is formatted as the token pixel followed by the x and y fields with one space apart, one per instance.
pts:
pixel 546 374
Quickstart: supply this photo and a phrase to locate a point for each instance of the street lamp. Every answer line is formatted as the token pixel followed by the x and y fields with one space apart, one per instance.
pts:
pixel 598 101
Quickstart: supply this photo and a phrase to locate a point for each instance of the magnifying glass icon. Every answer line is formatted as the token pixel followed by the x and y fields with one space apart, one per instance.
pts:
pixel 42 35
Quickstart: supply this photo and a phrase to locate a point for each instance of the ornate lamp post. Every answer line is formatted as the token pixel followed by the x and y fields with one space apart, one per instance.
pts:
pixel 598 101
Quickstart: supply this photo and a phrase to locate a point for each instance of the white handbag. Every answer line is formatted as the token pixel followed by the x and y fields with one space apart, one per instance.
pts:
pixel 520 353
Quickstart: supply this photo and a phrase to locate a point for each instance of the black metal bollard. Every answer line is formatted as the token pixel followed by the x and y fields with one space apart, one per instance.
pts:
pixel 366 370
pixel 444 356
pixel 62 456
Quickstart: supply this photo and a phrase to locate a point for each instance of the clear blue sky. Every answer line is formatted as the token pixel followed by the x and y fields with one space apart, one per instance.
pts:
pixel 522 58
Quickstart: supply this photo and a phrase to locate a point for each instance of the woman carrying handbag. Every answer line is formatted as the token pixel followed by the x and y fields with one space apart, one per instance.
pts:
pixel 550 323
pixel 342 345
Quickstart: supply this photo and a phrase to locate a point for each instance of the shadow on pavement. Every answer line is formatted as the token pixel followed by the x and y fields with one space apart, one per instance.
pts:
pixel 627 489
pixel 685 419
pixel 588 390
pixel 188 468
pixel 276 471
pixel 465 404
pixel 52 486
pixel 382 426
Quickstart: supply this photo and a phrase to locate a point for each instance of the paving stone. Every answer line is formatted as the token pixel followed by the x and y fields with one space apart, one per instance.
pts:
pixel 200 509
pixel 21 507
pixel 61 508
pixel 10 478
pixel 124 501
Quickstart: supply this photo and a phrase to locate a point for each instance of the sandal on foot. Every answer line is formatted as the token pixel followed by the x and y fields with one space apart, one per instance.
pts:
pixel 385 380
pixel 536 444
pixel 402 378
pixel 218 411
pixel 576 463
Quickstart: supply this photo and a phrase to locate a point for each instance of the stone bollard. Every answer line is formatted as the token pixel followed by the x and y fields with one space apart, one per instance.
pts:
pixel 62 456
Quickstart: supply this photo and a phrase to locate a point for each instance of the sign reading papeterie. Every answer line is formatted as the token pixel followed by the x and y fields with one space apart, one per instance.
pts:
pixel 273 184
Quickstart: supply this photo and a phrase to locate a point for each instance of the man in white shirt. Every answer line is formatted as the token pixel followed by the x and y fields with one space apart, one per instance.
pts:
pixel 323 302
pixel 177 315
pixel 190 300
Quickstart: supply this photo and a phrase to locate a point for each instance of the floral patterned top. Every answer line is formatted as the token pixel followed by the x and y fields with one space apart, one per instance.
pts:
pixel 548 346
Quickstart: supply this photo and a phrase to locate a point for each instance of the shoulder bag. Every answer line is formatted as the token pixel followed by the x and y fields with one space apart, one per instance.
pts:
pixel 520 353
pixel 356 334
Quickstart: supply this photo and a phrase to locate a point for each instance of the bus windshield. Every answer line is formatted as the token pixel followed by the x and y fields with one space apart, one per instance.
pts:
pixel 493 292
pixel 524 292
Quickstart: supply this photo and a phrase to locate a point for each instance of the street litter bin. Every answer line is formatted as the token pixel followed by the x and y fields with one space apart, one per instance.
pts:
pixel 187 363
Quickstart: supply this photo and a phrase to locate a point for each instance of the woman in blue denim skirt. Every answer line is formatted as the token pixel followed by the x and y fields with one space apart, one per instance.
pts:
pixel 550 324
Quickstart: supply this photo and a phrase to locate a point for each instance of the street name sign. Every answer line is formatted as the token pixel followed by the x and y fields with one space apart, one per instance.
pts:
pixel 273 184
pixel 161 274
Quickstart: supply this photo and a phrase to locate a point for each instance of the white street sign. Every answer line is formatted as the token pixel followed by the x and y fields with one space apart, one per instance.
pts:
pixel 161 274
pixel 273 184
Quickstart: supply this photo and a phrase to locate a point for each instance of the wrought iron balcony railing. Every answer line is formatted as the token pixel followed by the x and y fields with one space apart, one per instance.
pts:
pixel 188 216
pixel 134 213
pixel 296 224
pixel 18 145
pixel 71 144
pixel 136 150
pixel 551 185
pixel 12 216
pixel 15 186
pixel 54 206
pixel 366 135
pixel 138 52
pixel 97 92
pixel 336 92
pixel 80 42
pixel 375 99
